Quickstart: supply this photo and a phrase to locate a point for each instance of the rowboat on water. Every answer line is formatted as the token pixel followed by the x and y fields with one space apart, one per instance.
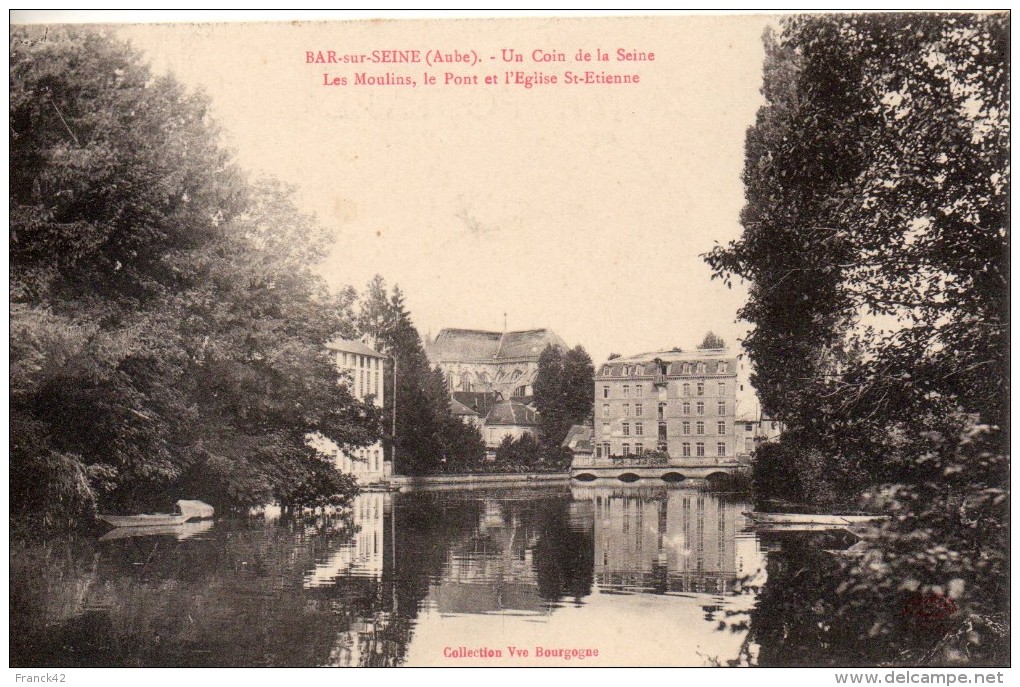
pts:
pixel 187 510
pixel 811 520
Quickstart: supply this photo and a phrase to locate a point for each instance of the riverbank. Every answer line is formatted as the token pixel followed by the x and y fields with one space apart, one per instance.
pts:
pixel 438 482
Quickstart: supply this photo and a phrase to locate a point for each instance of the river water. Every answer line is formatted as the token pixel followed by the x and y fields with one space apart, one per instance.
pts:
pixel 642 575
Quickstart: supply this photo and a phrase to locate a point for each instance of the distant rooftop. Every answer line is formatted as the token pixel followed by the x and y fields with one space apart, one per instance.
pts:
pixel 511 413
pixel 476 345
pixel 673 356
pixel 353 346
pixel 459 409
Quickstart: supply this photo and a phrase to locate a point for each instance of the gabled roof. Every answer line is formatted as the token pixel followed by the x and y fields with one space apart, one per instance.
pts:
pixel 476 345
pixel 461 410
pixel 578 435
pixel 511 413
pixel 353 346
pixel 528 344
pixel 479 401
pixel 464 345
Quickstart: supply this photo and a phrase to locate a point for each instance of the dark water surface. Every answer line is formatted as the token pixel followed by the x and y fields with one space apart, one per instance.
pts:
pixel 645 575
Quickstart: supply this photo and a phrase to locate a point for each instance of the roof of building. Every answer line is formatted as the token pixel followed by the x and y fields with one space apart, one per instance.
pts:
pixel 353 346
pixel 674 356
pixel 459 409
pixel 479 401
pixel 476 345
pixel 511 413
pixel 577 435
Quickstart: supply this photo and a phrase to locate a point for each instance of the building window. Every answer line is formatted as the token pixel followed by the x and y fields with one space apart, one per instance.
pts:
pixel 699 449
pixel 722 388
pixel 605 428
pixel 687 368
pixel 701 388
pixel 639 449
pixel 701 368
pixel 700 407
pixel 605 410
pixel 687 389
pixel 626 390
pixel 626 449
pixel 598 450
pixel 699 427
pixel 605 392
pixel 720 448
pixel 605 449
pixel 639 390
pixel 626 429
pixel 773 425
pixel 748 444
pixel 722 427
pixel 747 427
pixel 722 407
pixel 662 408
pixel 521 391
pixel 721 367
pixel 685 449
pixel 686 427
pixel 639 429
pixel 639 409
pixel 686 407
pixel 626 410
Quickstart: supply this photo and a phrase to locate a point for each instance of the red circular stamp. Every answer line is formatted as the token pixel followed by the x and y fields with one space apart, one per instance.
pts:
pixel 929 611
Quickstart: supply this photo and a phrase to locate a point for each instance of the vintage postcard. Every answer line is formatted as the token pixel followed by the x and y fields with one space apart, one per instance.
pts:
pixel 632 341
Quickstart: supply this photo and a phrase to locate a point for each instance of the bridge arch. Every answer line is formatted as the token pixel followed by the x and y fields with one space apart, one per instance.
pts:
pixel 629 477
pixel 585 477
pixel 673 476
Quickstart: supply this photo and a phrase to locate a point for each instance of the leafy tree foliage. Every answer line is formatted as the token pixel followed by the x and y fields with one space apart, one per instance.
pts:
pixel 428 437
pixel 167 334
pixel 564 391
pixel 875 244
pixel 712 340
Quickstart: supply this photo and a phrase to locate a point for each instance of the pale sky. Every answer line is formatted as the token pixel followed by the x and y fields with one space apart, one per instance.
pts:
pixel 579 208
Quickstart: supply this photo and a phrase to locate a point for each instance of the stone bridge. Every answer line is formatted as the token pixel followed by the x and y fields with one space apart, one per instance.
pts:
pixel 584 468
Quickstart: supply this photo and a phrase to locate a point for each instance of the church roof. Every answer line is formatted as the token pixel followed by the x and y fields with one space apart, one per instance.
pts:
pixel 511 413
pixel 475 345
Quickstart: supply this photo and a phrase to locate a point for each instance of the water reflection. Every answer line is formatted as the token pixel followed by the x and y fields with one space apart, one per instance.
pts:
pixel 670 540
pixel 400 580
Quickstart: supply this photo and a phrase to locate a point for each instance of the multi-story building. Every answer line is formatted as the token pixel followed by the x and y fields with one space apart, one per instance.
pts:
pixel 363 368
pixel 679 402
pixel 752 430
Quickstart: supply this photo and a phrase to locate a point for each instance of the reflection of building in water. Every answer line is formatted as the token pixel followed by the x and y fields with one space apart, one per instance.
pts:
pixel 667 539
pixel 356 568
pixel 363 555
pixel 493 570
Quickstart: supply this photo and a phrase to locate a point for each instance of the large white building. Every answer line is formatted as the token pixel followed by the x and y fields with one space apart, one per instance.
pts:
pixel 363 368
pixel 678 402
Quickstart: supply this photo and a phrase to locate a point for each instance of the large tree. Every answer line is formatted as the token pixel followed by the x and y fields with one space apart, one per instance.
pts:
pixel 428 438
pixel 166 330
pixel 875 245
pixel 564 391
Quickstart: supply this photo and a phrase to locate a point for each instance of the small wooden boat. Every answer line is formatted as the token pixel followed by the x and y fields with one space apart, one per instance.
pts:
pixel 184 530
pixel 187 510
pixel 808 521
